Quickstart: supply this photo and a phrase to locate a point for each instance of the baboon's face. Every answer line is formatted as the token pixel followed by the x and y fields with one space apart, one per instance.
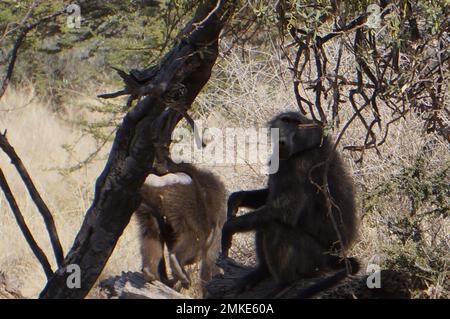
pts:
pixel 296 133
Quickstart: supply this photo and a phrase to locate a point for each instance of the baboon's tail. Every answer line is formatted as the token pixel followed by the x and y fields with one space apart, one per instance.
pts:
pixel 330 281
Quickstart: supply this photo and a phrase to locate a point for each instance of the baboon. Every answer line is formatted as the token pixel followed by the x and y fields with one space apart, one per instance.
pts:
pixel 295 236
pixel 184 210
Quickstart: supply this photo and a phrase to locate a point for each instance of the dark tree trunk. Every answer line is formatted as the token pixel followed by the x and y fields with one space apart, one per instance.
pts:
pixel 131 159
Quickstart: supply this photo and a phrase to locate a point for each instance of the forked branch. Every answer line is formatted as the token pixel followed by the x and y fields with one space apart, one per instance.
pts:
pixel 143 132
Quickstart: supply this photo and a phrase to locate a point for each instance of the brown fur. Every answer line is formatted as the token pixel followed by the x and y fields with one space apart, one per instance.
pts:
pixel 295 235
pixel 193 215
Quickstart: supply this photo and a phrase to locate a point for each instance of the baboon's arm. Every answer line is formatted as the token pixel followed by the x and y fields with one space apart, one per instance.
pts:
pixel 253 199
pixel 254 220
pixel 281 213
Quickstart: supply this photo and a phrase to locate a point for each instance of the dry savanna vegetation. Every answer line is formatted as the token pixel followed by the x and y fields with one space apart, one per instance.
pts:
pixel 63 133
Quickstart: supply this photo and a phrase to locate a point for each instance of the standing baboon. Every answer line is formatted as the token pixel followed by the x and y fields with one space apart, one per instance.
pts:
pixel 295 236
pixel 185 210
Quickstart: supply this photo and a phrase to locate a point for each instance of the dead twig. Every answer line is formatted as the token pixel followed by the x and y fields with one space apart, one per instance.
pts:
pixel 37 251
pixel 37 199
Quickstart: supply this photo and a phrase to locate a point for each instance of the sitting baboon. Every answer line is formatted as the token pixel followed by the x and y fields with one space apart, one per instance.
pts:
pixel 185 210
pixel 295 235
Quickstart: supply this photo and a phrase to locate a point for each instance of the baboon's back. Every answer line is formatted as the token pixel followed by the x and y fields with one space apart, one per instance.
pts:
pixel 191 210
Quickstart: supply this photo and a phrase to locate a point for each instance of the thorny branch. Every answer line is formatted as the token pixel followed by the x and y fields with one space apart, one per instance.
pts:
pixel 410 75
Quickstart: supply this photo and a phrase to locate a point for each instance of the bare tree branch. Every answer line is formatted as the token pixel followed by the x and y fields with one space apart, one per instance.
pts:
pixel 37 199
pixel 143 132
pixel 37 251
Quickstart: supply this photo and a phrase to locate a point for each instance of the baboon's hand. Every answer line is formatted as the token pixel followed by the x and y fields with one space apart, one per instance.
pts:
pixel 227 237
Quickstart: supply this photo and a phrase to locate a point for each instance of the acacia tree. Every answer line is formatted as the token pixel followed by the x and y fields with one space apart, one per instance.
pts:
pixel 401 67
pixel 167 90
pixel 145 130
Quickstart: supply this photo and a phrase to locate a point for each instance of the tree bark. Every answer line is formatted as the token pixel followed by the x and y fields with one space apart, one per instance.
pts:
pixel 143 130
pixel 132 285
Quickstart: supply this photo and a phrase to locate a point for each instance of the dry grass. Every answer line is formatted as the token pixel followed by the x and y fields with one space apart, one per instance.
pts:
pixel 251 87
pixel 242 93
pixel 38 137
